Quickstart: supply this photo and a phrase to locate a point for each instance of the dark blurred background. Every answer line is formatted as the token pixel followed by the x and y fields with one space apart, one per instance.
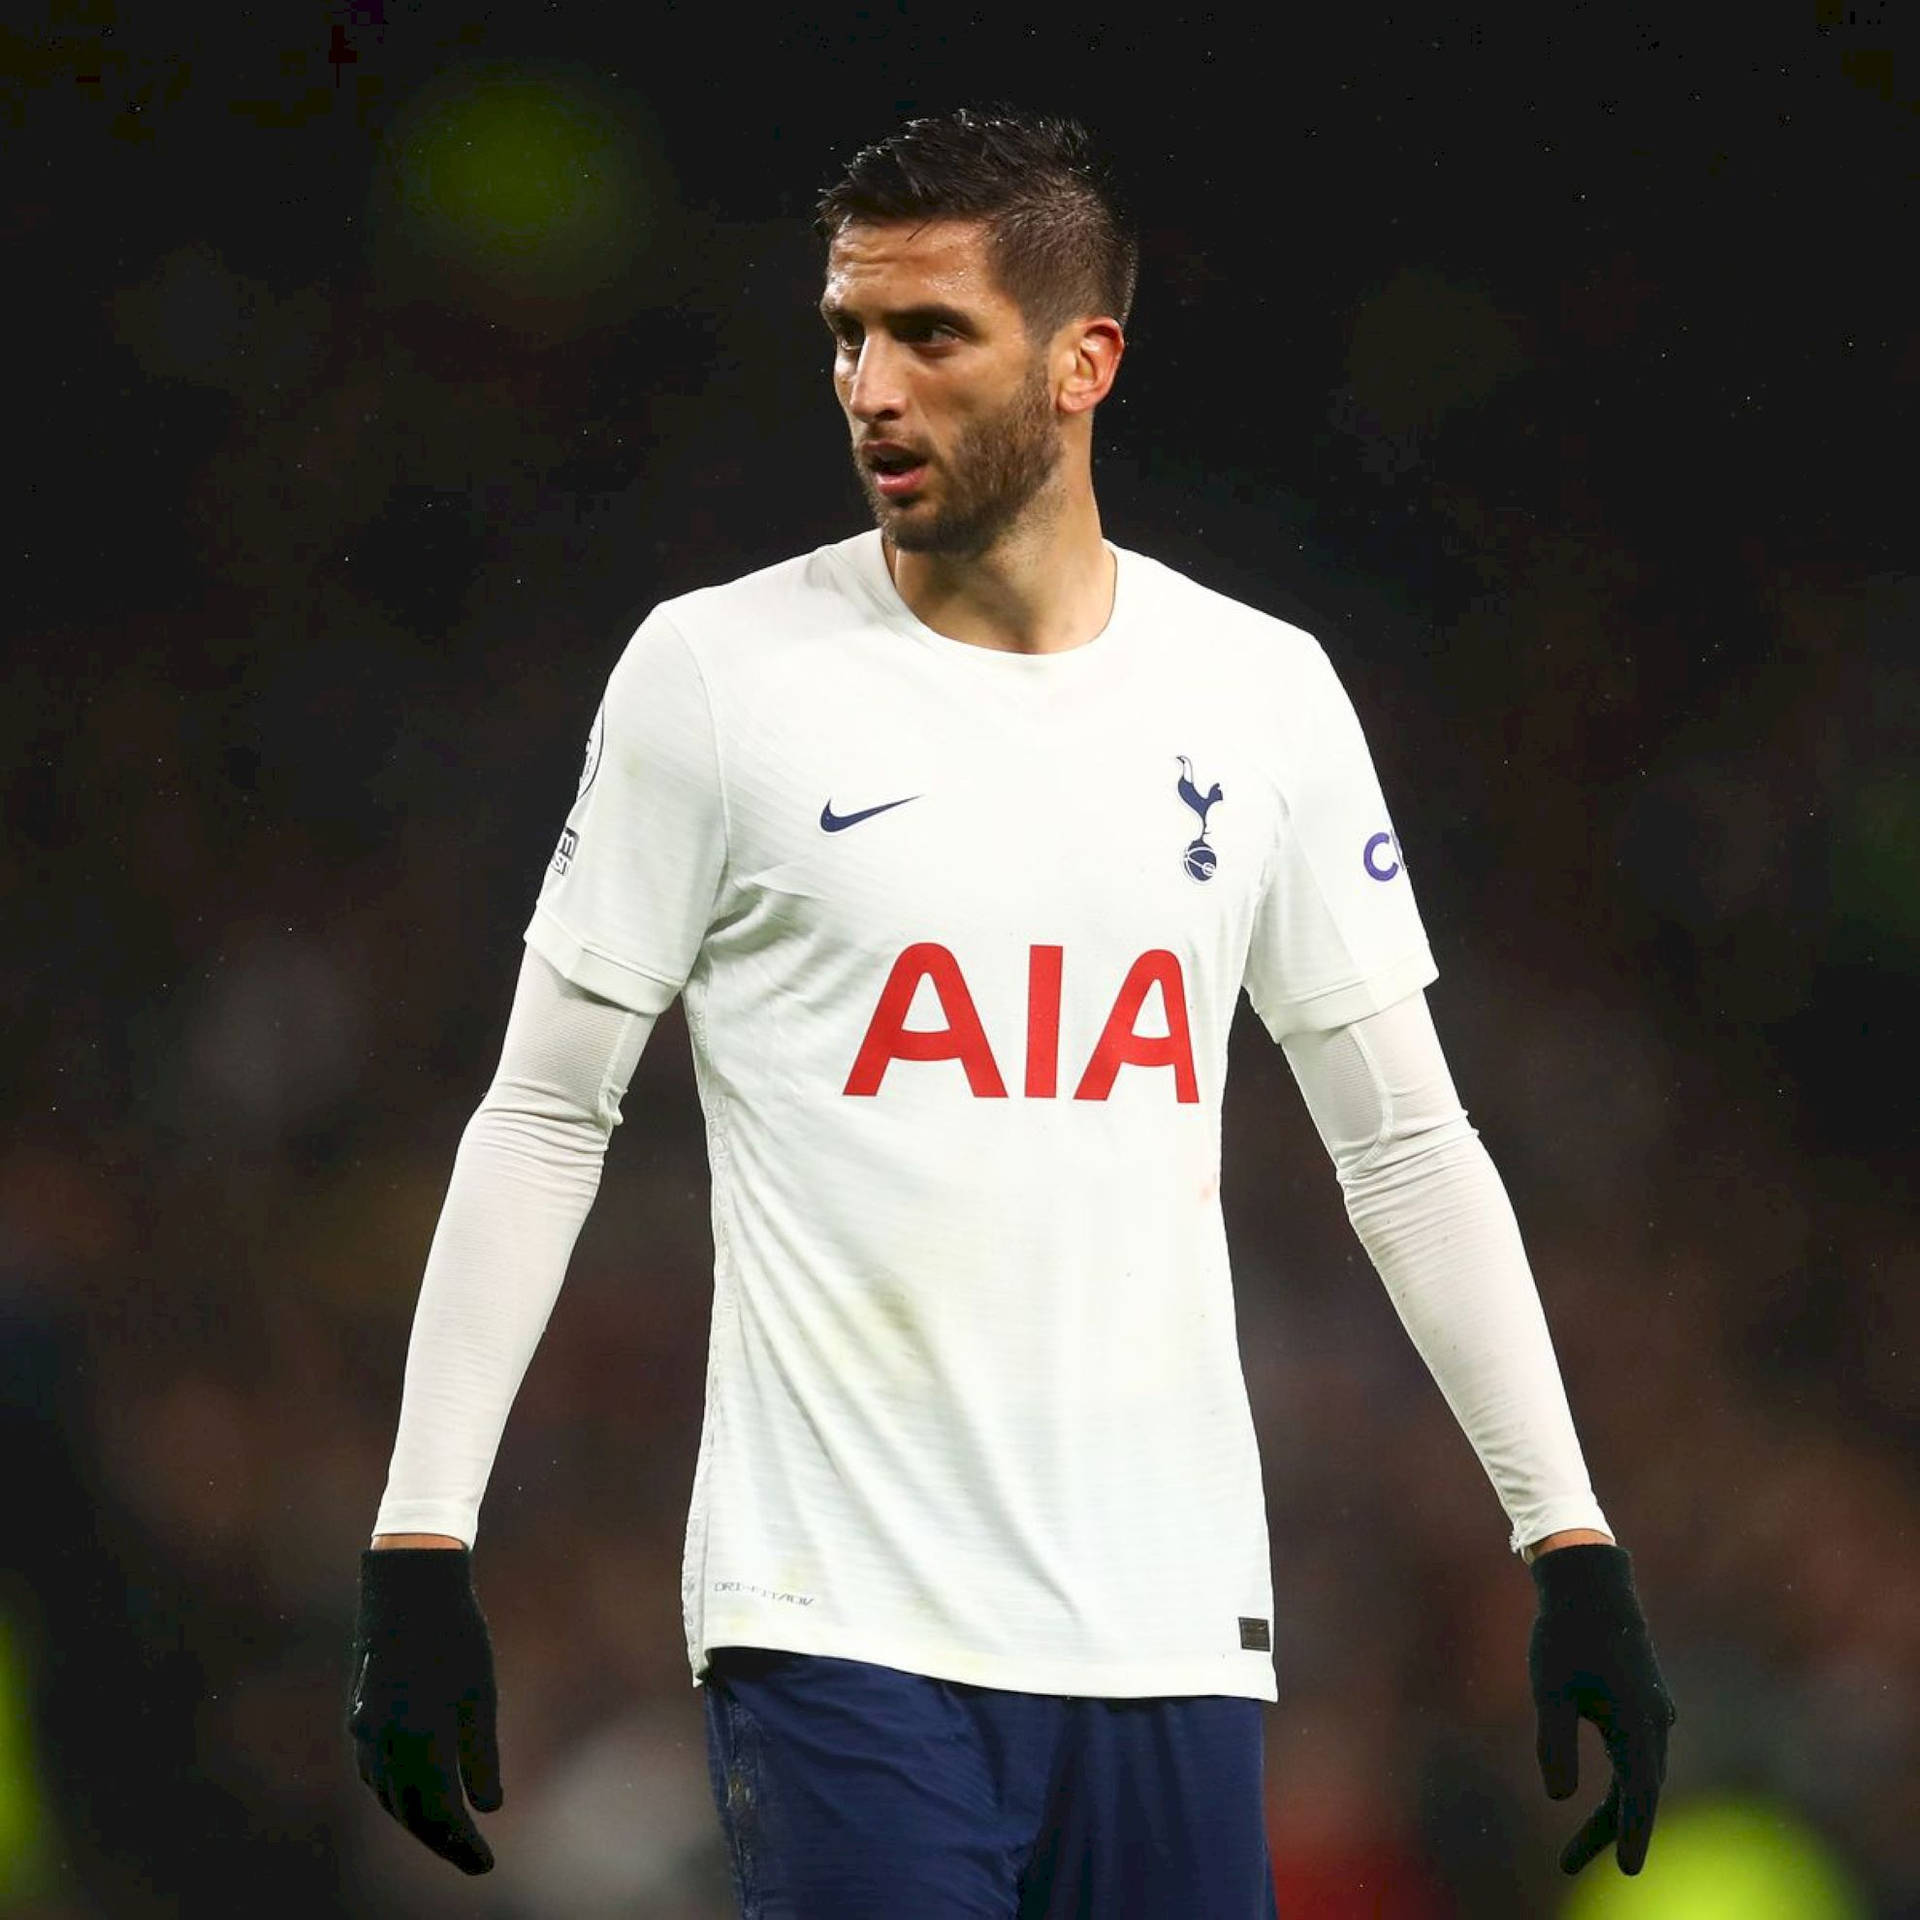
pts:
pixel 376 367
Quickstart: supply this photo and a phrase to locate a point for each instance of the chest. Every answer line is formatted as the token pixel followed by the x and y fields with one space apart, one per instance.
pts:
pixel 895 807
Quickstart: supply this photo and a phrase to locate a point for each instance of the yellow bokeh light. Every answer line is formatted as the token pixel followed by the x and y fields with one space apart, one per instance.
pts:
pixel 1722 1860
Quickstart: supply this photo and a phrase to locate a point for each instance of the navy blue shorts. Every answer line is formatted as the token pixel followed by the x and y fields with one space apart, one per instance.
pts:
pixel 857 1792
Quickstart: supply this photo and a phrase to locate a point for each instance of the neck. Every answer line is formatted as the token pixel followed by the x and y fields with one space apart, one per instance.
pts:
pixel 1045 586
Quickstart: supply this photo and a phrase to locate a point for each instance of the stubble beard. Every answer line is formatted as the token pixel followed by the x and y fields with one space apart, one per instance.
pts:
pixel 996 470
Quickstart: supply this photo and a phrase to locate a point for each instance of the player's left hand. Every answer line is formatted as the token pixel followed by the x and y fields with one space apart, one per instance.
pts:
pixel 1591 1657
pixel 422 1705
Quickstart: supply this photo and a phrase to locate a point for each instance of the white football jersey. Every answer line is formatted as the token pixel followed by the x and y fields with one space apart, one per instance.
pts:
pixel 960 935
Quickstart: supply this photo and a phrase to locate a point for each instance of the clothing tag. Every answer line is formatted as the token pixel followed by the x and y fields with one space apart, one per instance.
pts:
pixel 1255 1636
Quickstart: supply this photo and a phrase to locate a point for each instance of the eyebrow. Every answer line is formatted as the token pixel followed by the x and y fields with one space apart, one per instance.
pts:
pixel 931 313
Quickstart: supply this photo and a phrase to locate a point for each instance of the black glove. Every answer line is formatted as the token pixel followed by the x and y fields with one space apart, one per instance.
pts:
pixel 421 1704
pixel 1591 1655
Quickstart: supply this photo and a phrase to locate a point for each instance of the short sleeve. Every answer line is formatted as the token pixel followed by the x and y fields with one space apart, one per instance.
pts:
pixel 630 890
pixel 1337 935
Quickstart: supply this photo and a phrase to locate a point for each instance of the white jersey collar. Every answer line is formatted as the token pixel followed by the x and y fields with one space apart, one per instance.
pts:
pixel 863 559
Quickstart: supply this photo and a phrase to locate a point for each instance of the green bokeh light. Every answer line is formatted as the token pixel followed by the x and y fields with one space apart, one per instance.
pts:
pixel 23 1829
pixel 1875 868
pixel 534 181
pixel 1723 1860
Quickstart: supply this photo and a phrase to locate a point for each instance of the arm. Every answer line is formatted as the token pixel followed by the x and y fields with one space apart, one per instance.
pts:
pixel 422 1703
pixel 622 911
pixel 1428 1206
pixel 523 1181
pixel 623 907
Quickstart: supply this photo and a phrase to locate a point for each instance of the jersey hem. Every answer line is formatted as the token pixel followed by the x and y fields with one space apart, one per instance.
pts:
pixel 1237 1675
pixel 1341 1006
pixel 626 986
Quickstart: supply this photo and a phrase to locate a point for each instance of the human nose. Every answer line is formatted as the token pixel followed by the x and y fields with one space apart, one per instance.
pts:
pixel 874 390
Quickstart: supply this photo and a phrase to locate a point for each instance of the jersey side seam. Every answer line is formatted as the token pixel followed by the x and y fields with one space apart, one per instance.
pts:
pixel 726 1309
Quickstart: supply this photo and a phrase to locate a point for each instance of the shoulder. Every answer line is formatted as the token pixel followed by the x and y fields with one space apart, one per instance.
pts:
pixel 770 608
pixel 758 628
pixel 1272 654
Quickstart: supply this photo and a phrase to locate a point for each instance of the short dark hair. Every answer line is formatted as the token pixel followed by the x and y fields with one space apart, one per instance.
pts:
pixel 1060 242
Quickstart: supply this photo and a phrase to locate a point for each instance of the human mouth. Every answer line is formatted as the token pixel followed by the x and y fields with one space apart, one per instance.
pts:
pixel 897 471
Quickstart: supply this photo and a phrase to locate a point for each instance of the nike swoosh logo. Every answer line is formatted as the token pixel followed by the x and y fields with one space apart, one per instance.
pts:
pixel 831 822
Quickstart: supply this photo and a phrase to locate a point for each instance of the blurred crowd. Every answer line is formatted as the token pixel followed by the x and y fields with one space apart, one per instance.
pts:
pixel 300 717
pixel 249 1076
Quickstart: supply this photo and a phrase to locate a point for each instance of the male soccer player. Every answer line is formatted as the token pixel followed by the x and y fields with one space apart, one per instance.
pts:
pixel 960 839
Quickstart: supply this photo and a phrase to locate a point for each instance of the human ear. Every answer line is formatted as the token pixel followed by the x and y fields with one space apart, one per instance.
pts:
pixel 1090 353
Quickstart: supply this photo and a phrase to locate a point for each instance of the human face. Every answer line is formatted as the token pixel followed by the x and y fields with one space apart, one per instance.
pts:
pixel 949 403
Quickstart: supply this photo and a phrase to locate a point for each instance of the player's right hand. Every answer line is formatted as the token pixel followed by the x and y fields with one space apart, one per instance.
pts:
pixel 421 1702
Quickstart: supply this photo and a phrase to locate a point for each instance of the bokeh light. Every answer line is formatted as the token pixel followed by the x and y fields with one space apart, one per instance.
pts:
pixel 22 1813
pixel 536 183
pixel 1723 1860
pixel 1876 838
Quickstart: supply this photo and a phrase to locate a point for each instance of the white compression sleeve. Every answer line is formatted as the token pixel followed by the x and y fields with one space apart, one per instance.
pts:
pixel 523 1181
pixel 1429 1207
